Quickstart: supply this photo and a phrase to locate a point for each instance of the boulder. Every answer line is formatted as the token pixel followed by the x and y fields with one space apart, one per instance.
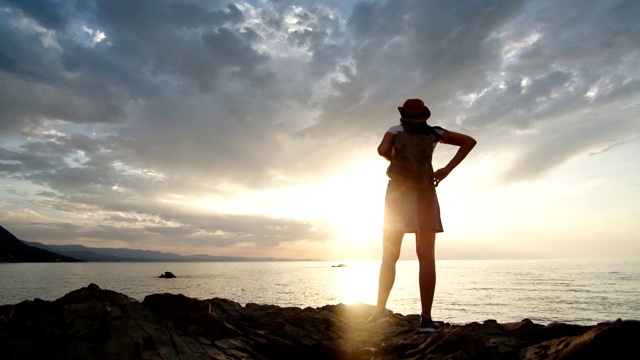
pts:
pixel 92 323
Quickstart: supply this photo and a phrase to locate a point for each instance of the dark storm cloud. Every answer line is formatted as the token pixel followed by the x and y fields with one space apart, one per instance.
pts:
pixel 414 49
pixel 48 13
pixel 183 41
pixel 52 75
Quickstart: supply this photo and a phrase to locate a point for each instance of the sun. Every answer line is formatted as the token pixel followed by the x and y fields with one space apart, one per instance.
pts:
pixel 352 202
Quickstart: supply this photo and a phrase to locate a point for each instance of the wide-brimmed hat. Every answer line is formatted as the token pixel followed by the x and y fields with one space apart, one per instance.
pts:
pixel 414 110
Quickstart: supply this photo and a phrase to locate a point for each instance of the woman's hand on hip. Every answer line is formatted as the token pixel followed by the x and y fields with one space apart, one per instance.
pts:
pixel 439 175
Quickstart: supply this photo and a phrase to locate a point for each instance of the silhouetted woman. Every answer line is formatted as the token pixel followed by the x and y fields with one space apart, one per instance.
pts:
pixel 411 203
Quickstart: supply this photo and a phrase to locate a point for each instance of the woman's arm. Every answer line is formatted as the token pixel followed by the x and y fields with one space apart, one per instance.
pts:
pixel 465 143
pixel 385 149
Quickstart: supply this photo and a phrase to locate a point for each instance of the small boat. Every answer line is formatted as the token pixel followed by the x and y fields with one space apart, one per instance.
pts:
pixel 340 265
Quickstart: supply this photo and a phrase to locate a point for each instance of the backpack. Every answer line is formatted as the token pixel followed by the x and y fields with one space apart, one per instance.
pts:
pixel 411 162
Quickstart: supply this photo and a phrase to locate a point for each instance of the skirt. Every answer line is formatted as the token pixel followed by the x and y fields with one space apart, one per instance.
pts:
pixel 407 209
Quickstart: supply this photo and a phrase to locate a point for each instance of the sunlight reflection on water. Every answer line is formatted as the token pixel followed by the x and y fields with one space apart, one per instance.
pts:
pixel 572 291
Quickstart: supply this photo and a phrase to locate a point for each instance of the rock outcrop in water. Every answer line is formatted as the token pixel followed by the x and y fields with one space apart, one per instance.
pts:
pixel 167 275
pixel 91 323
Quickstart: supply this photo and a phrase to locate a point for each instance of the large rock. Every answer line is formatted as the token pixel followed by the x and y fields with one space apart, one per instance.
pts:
pixel 91 323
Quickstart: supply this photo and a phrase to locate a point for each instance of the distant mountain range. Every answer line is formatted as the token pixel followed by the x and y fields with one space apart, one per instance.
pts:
pixel 13 249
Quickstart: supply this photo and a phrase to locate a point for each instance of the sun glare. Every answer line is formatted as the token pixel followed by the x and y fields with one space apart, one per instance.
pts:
pixel 358 282
pixel 353 203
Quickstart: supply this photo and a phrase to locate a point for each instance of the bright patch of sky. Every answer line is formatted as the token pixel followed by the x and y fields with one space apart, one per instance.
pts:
pixel 95 36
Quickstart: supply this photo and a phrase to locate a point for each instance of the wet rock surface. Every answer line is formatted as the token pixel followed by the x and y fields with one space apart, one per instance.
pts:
pixel 92 323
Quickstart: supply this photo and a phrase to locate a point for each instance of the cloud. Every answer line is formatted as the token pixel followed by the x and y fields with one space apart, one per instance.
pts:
pixel 187 99
pixel 189 230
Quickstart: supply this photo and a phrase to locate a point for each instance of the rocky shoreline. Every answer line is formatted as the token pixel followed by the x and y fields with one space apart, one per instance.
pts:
pixel 92 323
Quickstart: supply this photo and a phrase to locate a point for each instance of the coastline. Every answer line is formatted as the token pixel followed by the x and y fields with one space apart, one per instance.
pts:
pixel 94 323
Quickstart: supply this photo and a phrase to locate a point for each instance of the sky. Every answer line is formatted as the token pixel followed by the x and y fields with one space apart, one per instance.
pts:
pixel 251 128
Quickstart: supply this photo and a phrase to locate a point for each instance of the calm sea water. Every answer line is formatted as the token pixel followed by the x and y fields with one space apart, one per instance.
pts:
pixel 570 291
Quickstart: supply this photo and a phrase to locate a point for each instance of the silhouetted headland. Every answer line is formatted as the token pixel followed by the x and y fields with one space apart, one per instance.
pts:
pixel 92 323
pixel 14 250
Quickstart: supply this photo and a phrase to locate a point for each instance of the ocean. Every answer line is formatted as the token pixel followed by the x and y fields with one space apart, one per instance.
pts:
pixel 582 292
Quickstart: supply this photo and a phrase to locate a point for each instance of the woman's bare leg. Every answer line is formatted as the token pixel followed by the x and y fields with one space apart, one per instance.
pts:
pixel 425 248
pixel 391 244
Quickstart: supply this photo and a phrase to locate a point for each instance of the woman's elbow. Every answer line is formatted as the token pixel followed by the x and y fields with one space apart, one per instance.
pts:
pixel 385 153
pixel 381 151
pixel 468 142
